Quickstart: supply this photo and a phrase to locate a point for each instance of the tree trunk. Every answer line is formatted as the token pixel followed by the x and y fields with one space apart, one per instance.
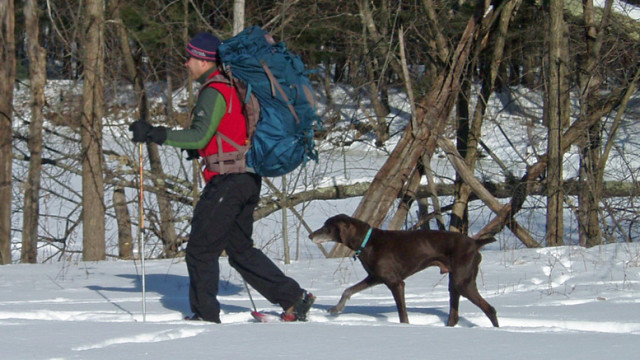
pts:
pixel 133 64
pixel 7 80
pixel 522 188
pixel 38 78
pixel 380 109
pixel 470 133
pixel 93 208
pixel 589 82
pixel 238 16
pixel 459 219
pixel 432 113
pixel 590 233
pixel 557 117
pixel 529 70
pixel 375 74
pixel 504 216
pixel 435 30
pixel 531 14
pixel 167 220
pixel 285 223
pixel 408 197
pixel 123 218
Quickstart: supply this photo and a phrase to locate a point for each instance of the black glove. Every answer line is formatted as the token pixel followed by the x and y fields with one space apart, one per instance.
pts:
pixel 144 132
pixel 139 129
pixel 192 154
pixel 157 134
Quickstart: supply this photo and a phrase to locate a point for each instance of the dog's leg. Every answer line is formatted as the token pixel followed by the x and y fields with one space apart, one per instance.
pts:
pixel 469 289
pixel 398 294
pixel 465 285
pixel 471 293
pixel 454 302
pixel 346 295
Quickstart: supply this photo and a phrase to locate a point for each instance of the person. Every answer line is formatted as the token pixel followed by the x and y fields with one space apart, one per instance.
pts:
pixel 223 217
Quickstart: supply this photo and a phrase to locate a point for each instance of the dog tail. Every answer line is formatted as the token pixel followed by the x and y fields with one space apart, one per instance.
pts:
pixel 484 241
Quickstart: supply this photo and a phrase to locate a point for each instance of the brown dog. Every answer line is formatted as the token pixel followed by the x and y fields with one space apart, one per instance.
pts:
pixel 389 257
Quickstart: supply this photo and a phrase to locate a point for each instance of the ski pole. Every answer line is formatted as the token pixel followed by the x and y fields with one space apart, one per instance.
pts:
pixel 141 245
pixel 250 298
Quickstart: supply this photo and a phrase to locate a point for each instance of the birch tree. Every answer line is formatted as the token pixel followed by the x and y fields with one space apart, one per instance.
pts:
pixel 238 16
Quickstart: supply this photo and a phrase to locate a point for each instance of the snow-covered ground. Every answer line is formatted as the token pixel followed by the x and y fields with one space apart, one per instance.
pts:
pixel 553 303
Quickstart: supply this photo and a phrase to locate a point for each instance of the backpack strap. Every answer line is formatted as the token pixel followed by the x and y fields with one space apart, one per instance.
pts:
pixel 234 161
pixel 276 85
pixel 227 162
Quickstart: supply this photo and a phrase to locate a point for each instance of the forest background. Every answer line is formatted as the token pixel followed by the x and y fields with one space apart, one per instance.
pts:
pixel 69 176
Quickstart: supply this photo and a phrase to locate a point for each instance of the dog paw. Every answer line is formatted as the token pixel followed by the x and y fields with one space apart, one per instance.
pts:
pixel 335 310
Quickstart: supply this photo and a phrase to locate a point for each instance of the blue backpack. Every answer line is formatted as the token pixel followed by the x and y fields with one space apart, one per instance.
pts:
pixel 281 130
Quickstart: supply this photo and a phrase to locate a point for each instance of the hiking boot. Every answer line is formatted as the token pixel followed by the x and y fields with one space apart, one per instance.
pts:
pixel 299 310
pixel 196 317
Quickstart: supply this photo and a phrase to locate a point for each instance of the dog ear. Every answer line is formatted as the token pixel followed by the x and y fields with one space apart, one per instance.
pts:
pixel 346 231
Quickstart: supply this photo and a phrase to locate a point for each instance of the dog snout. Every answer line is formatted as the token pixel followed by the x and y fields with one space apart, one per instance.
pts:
pixel 319 236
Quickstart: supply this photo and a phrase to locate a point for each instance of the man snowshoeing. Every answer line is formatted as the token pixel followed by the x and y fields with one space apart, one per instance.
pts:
pixel 223 216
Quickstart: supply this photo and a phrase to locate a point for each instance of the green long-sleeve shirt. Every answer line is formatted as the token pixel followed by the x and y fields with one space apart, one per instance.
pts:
pixel 208 111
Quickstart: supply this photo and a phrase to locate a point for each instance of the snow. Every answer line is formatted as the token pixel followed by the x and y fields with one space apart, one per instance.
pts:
pixel 622 7
pixel 553 303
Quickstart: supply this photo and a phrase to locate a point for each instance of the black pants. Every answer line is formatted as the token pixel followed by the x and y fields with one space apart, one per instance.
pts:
pixel 223 220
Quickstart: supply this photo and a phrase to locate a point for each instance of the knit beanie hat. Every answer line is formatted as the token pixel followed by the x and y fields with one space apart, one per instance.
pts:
pixel 204 46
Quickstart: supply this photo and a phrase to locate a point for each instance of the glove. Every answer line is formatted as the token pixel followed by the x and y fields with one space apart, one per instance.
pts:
pixel 157 134
pixel 140 129
pixel 143 132
pixel 192 154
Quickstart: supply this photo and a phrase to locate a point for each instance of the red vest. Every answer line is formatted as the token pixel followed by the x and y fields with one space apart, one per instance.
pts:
pixel 233 125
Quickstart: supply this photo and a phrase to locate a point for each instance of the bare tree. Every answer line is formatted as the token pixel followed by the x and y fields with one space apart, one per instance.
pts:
pixel 38 78
pixel 93 208
pixel 469 132
pixel 238 16
pixel 136 77
pixel 375 62
pixel 167 220
pixel 556 118
pixel 7 79
pixel 358 42
pixel 592 160
pixel 433 111
pixel 505 213
pixel 125 238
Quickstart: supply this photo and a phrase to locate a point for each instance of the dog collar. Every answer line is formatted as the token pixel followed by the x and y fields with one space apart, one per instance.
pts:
pixel 364 243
